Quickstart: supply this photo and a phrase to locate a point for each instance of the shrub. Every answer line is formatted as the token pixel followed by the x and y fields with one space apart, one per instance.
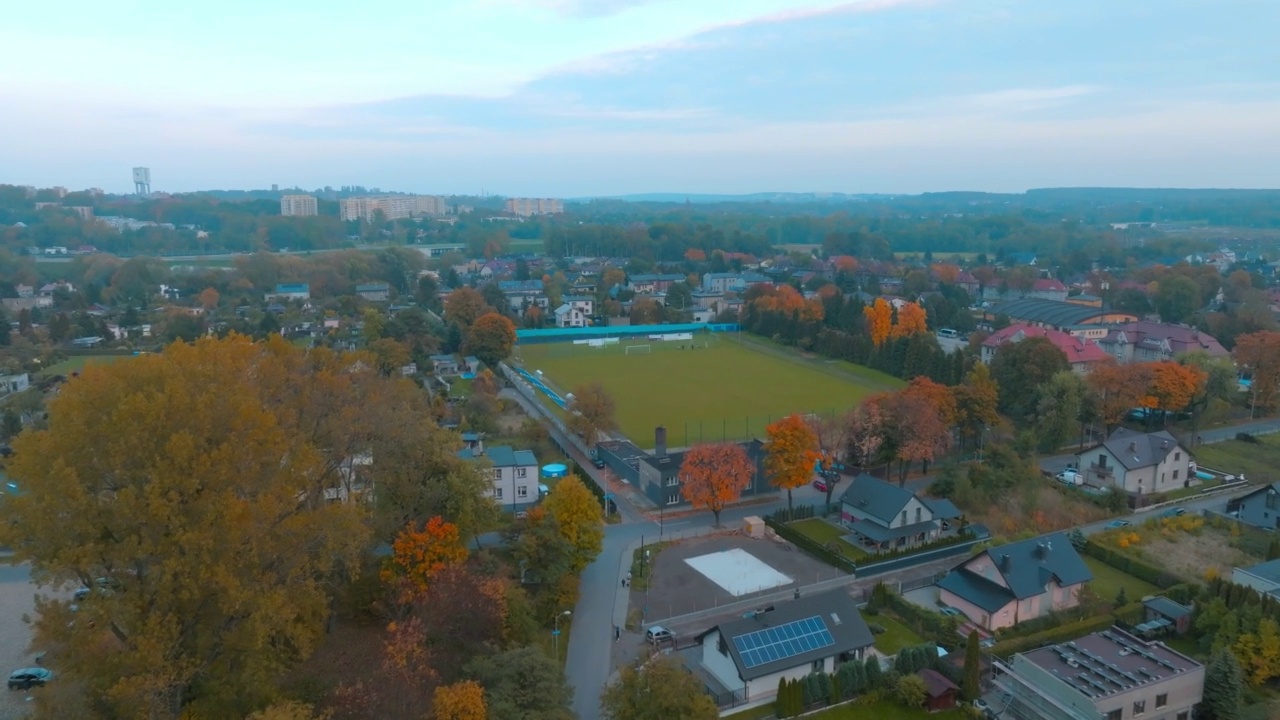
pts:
pixel 1128 564
pixel 910 691
pixel 1069 631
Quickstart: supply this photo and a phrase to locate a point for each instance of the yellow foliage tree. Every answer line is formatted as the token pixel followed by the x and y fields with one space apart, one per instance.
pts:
pixel 459 701
pixel 791 452
pixel 879 315
pixel 911 321
pixel 579 518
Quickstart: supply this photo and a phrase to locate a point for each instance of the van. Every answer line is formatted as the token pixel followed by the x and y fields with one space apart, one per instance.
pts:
pixel 948 333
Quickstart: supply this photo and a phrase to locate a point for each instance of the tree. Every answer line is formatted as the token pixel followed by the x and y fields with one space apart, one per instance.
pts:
pixel 292 710
pixel 1259 353
pixel 10 423
pixel 391 355
pixel 935 395
pixel 208 298
pixel 1118 389
pixel 1220 383
pixel 491 338
pixel 525 683
pixel 911 321
pixel 533 317
pixel 865 433
pixel 661 688
pixel 464 306
pixel 1177 298
pixel 1223 688
pixel 1259 652
pixel 791 451
pixel 460 701
pixel 591 412
pixel 218 483
pixel 977 403
pixel 910 691
pixel 911 429
pixel 579 518
pixel 971 687
pixel 712 476
pixel 417 556
pixel 879 315
pixel 645 312
pixel 1058 413
pixel 1020 368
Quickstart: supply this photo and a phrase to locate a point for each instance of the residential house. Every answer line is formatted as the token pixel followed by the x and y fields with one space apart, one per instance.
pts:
pixel 353 479
pixel 1138 463
pixel 1082 354
pixel 886 516
pixel 514 475
pixel 290 291
pixel 748 656
pixel 27 299
pixel 575 311
pixel 1048 289
pixel 444 365
pixel 655 282
pixel 969 283
pixel 1146 341
pixel 521 294
pixel 584 285
pixel 10 384
pixel 1006 585
pixel 1021 258
pixel 1108 675
pixel 1160 614
pixel 470 364
pixel 1260 508
pixel 1263 577
pixel 940 693
pixel 708 299
pixel 374 292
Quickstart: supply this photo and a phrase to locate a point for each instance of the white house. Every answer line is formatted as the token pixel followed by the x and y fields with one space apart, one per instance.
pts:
pixel 10 384
pixel 1138 463
pixel 514 472
pixel 888 516
pixel 815 633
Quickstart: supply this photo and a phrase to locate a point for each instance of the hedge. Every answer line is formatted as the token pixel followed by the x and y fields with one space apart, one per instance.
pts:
pixel 935 626
pixel 811 546
pixel 1070 631
pixel 1140 569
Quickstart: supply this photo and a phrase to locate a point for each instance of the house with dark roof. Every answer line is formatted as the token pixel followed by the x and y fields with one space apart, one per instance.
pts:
pixel 1107 675
pixel 1259 508
pixel 522 294
pixel 654 282
pixel 657 473
pixel 1145 341
pixel 884 516
pixel 1138 463
pixel 1162 615
pixel 940 692
pixel 374 292
pixel 1006 585
pixel 514 475
pixel 816 633
pixel 1263 577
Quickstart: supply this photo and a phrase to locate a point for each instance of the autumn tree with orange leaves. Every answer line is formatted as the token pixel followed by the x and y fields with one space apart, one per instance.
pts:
pixel 911 321
pixel 791 453
pixel 879 315
pixel 712 476
pixel 844 263
pixel 1259 353
pixel 1117 390
pixel 940 397
pixel 417 556
pixel 695 255
pixel 460 701
pixel 1174 385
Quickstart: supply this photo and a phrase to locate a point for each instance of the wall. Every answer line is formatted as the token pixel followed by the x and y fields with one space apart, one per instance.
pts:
pixel 719 665
pixel 1184 691
pixel 1047 684
pixel 999 619
pixel 511 485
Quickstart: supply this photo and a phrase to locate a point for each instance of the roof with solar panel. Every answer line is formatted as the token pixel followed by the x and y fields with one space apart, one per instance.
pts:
pixel 1109 662
pixel 794 633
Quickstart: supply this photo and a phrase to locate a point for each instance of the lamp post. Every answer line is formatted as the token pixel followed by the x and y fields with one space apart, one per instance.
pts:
pixel 555 634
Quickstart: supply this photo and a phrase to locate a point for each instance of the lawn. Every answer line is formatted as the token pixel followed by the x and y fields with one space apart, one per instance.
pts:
pixel 77 363
pixel 727 391
pixel 883 710
pixel 821 531
pixel 895 636
pixel 1257 461
pixel 1107 582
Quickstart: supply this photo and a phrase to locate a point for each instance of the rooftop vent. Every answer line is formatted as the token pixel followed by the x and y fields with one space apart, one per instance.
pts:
pixel 1005 562
pixel 835 618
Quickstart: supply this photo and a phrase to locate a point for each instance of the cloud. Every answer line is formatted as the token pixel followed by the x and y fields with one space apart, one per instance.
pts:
pixel 580 8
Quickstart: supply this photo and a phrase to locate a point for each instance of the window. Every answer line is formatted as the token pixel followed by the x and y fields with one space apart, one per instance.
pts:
pixel 1177 456
pixel 1175 474
pixel 1139 707
pixel 1184 715
pixel 497 493
pixel 520 472
pixel 917 514
pixel 1161 700
pixel 904 517
pixel 1114 715
pixel 819 665
pixel 673 481
pixel 673 499
pixel 723 646
pixel 522 491
pixel 497 473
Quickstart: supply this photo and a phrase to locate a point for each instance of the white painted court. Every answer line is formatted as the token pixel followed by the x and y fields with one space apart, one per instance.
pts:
pixel 737 571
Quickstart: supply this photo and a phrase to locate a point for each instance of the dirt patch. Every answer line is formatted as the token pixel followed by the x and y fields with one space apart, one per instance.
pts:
pixel 1190 555
pixel 511 420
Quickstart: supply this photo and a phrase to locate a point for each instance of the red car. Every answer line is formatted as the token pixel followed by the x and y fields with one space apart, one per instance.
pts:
pixel 820 484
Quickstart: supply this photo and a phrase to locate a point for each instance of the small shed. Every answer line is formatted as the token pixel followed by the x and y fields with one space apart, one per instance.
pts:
pixel 753 526
pixel 942 693
pixel 1162 608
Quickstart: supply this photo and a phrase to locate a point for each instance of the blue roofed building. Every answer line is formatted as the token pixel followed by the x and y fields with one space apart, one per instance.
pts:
pixel 523 294
pixel 884 516
pixel 290 291
pixel 513 473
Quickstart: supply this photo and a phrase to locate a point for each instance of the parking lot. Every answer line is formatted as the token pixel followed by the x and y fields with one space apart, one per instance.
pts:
pixel 17 599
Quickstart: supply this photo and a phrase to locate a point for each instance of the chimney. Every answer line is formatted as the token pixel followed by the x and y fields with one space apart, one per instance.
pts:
pixel 1133 446
pixel 1041 551
pixel 1005 562
pixel 660 441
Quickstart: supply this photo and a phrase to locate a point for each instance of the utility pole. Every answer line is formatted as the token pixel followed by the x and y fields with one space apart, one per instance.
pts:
pixel 555 634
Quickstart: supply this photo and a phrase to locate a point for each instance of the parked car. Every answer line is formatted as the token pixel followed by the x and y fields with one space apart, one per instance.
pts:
pixel 25 678
pixel 598 463
pixel 1174 512
pixel 657 634
pixel 1070 476
pixel 953 612
pixel 820 484
pixel 1117 524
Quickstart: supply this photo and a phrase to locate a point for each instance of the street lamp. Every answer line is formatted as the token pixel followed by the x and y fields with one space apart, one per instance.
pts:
pixel 555 634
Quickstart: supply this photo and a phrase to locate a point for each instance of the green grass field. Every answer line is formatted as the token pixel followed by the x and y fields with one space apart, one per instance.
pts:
pixel 77 363
pixel 1107 582
pixel 1258 462
pixel 728 391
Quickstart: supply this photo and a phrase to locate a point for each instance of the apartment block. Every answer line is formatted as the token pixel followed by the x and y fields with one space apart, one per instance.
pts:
pixel 298 205
pixel 524 207
pixel 392 207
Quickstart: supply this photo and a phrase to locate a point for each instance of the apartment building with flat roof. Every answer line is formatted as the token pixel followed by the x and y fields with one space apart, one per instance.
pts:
pixel 524 207
pixel 298 206
pixel 392 207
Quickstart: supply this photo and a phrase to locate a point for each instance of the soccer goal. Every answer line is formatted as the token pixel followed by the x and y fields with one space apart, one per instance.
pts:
pixel 637 350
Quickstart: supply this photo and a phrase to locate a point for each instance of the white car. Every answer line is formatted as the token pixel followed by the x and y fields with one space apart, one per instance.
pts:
pixel 1070 476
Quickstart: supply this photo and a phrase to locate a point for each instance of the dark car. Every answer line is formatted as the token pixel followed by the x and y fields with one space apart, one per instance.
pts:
pixel 29 677
pixel 598 463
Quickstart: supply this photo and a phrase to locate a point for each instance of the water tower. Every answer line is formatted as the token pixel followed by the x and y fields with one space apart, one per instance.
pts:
pixel 142 181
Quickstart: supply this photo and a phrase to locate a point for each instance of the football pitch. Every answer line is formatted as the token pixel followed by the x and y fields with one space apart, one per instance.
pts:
pixel 728 391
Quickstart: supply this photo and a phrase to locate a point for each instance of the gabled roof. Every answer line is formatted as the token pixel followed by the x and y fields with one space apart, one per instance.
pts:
pixel 942 508
pixel 502 456
pixel 935 683
pixel 1077 350
pixel 835 609
pixel 508 286
pixel 1051 312
pixel 1166 607
pixel 1048 285
pixel 875 497
pixel 1269 570
pixel 1180 338
pixel 1026 567
pixel 1138 450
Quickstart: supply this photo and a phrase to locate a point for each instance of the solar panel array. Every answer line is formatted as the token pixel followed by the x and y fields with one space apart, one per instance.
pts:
pixel 784 641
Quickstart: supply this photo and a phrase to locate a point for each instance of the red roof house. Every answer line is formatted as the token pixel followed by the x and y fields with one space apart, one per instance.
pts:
pixel 1081 354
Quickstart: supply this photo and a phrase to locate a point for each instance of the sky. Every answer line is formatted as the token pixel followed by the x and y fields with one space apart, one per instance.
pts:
pixel 576 98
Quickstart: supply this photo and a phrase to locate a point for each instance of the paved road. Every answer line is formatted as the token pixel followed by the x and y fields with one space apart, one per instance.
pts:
pixel 16 599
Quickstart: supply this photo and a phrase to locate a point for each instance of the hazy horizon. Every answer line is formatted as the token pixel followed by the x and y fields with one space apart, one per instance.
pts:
pixel 593 98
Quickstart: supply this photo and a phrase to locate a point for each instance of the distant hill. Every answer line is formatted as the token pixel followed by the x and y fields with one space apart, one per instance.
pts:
pixel 774 197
